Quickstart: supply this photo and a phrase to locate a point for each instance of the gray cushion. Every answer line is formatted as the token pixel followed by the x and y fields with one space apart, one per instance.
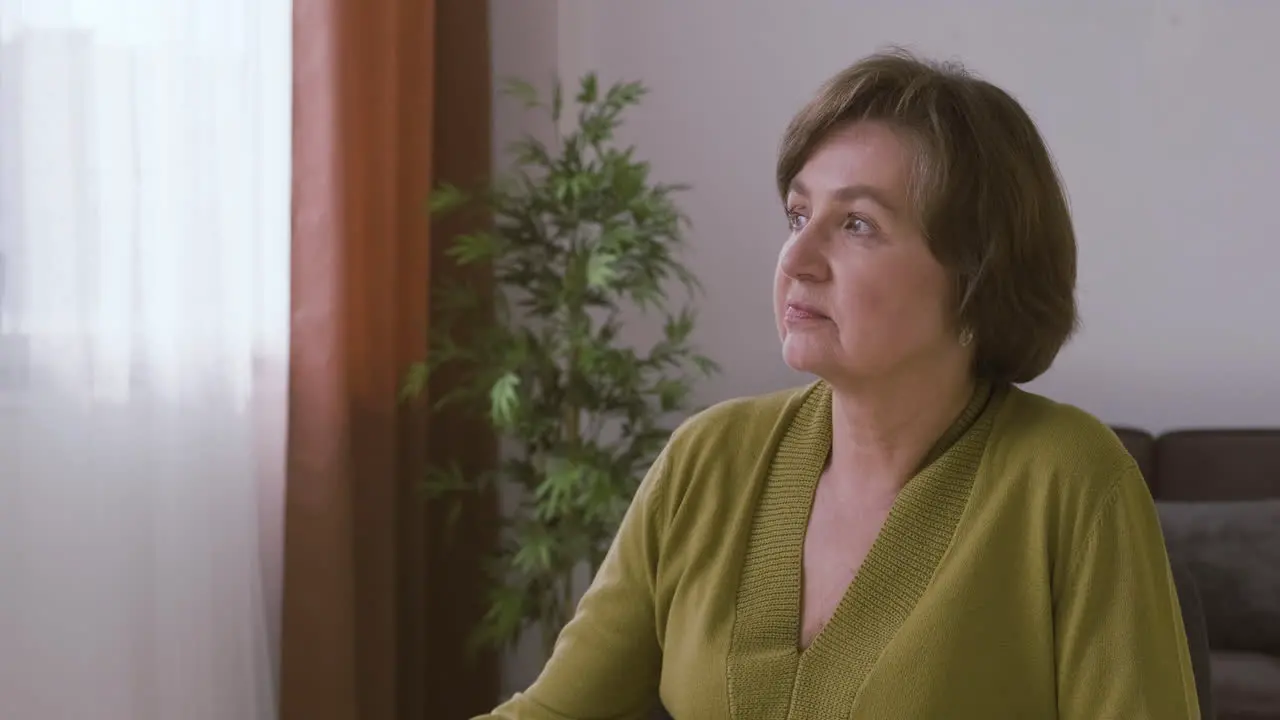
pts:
pixel 1233 551
pixel 1246 686
pixel 1197 636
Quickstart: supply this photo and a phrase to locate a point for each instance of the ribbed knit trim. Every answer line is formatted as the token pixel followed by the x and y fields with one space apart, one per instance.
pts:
pixel 769 677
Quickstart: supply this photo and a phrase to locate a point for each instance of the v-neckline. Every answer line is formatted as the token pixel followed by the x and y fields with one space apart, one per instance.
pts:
pixel 767 667
pixel 953 433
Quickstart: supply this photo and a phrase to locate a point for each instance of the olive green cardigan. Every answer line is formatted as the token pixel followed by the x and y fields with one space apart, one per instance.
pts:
pixel 1020 574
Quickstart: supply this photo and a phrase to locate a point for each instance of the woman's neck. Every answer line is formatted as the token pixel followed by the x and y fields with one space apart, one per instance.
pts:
pixel 881 431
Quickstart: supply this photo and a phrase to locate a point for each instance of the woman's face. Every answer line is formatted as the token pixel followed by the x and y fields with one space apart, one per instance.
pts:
pixel 857 294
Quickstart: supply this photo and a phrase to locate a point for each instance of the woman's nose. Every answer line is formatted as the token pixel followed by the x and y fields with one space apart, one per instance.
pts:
pixel 802 257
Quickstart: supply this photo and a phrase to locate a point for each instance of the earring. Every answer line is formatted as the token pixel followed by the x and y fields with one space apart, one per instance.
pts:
pixel 966 336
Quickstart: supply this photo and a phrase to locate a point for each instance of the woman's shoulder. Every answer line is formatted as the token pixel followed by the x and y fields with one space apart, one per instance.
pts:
pixel 726 446
pixel 740 418
pixel 1044 438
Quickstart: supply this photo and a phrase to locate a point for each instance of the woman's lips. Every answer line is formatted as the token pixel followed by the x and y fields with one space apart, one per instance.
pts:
pixel 797 312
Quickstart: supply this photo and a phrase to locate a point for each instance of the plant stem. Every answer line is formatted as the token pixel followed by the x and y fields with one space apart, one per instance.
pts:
pixel 550 632
pixel 567 605
pixel 572 423
pixel 559 615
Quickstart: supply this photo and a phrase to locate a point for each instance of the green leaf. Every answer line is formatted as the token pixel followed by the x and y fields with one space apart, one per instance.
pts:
pixel 521 90
pixel 601 269
pixel 561 187
pixel 590 88
pixel 445 198
pixel 554 494
pixel 457 395
pixel 470 248
pixel 624 94
pixel 504 399
pixel 452 298
pixel 500 627
pixel 706 365
pixel 530 151
pixel 534 555
pixel 672 393
pixel 557 101
pixel 679 326
pixel 448 480
pixel 415 381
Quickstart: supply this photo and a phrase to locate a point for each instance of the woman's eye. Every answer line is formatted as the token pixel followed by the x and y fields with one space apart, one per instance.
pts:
pixel 796 221
pixel 858 226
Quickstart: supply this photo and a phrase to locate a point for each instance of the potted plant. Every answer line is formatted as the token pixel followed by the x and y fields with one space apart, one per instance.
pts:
pixel 580 236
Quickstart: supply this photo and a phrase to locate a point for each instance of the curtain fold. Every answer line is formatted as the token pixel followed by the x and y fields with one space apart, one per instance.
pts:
pixel 456 687
pixel 375 606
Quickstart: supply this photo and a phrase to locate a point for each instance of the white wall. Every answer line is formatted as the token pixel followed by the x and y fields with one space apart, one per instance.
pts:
pixel 1164 118
pixel 524 40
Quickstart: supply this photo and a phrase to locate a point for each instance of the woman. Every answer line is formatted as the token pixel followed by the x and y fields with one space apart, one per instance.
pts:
pixel 910 536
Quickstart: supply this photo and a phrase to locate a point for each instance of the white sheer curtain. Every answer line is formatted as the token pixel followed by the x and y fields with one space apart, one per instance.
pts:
pixel 144 244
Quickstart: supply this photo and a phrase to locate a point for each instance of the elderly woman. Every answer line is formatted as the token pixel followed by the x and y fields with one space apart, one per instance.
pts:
pixel 911 536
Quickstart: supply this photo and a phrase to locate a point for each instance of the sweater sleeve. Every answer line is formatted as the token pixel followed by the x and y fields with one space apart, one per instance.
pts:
pixel 607 660
pixel 1120 643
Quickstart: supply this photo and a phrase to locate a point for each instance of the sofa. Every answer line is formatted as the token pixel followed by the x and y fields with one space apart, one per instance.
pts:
pixel 1218 496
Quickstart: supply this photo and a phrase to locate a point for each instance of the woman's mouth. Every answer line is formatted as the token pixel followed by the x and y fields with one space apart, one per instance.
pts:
pixel 799 312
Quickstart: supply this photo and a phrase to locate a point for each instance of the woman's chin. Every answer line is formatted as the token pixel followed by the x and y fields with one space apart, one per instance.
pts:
pixel 800 355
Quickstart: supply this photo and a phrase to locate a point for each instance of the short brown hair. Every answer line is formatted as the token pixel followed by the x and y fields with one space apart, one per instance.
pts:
pixel 986 193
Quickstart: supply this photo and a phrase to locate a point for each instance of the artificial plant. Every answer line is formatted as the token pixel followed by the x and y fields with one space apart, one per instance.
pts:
pixel 580 238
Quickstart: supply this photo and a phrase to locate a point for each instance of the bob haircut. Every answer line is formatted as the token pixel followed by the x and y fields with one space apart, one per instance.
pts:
pixel 985 193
